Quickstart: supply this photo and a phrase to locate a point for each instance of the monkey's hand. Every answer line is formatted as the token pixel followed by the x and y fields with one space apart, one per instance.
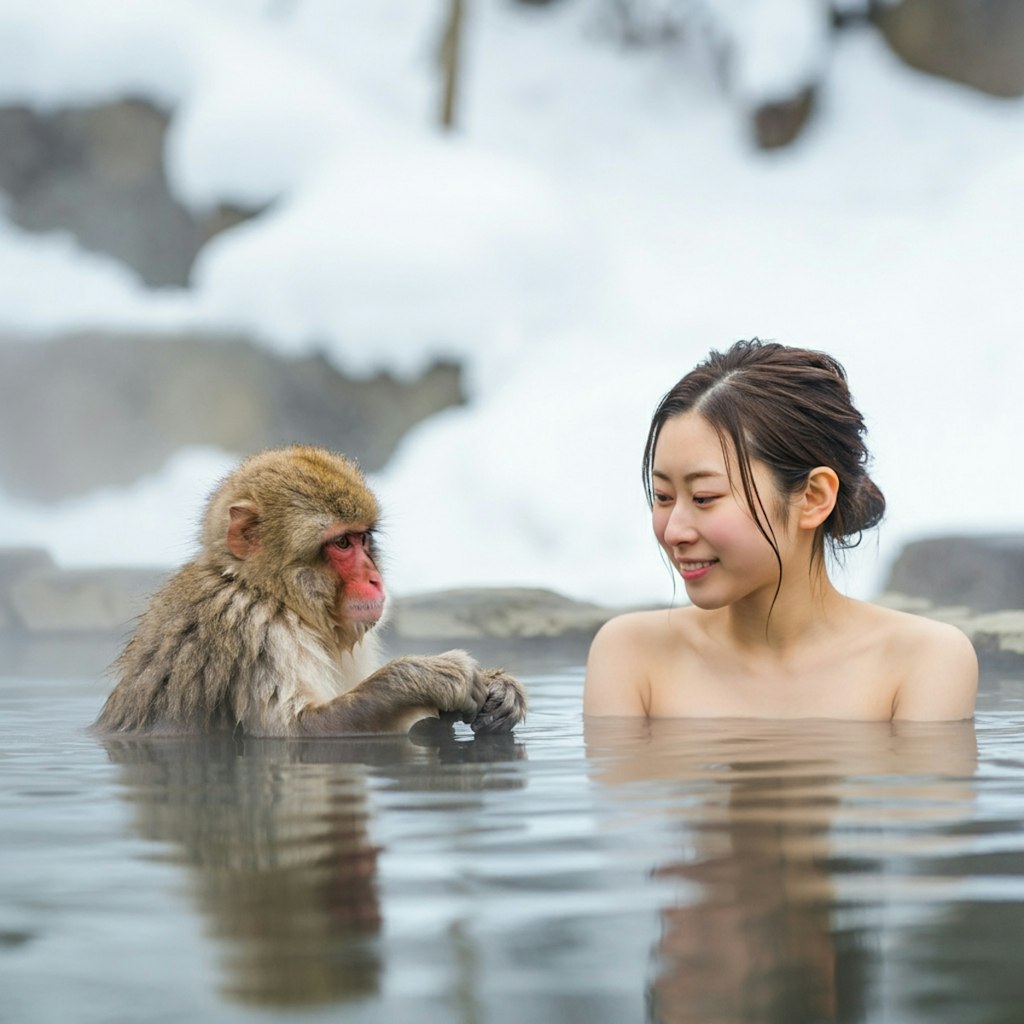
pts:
pixel 454 681
pixel 505 705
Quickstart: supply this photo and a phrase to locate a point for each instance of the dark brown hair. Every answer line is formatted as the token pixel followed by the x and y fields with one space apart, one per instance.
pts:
pixel 789 408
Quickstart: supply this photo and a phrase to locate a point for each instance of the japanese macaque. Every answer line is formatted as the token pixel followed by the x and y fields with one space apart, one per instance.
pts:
pixel 269 631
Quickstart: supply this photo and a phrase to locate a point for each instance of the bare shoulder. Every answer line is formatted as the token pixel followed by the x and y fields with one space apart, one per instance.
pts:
pixel 618 667
pixel 642 626
pixel 935 663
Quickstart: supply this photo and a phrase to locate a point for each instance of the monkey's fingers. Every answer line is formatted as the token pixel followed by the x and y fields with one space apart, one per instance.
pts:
pixel 504 707
pixel 462 687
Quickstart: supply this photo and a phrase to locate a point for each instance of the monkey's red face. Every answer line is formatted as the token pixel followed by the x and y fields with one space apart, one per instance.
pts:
pixel 348 549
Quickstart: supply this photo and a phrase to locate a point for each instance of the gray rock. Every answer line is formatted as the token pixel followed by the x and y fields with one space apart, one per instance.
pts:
pixel 42 598
pixel 984 574
pixel 98 172
pixel 778 124
pixel 1000 631
pixel 998 637
pixel 74 621
pixel 502 612
pixel 15 565
pixel 977 42
pixel 52 600
pixel 96 409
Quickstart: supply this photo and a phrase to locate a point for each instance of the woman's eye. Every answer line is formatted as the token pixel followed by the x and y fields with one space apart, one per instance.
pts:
pixel 661 499
pixel 703 500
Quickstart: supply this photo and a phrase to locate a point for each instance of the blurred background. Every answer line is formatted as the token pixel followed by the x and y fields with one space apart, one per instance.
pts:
pixel 472 242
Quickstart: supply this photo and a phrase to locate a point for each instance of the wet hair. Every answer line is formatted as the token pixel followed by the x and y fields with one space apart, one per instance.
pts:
pixel 789 408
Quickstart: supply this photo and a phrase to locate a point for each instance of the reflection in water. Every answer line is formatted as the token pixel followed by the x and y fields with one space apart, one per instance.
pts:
pixel 276 836
pixel 752 933
pixel 725 871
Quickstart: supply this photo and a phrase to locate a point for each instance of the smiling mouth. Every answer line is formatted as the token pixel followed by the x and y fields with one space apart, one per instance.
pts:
pixel 693 570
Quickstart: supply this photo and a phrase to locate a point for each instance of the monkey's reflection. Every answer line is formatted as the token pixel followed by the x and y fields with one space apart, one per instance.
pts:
pixel 276 836
pixel 753 938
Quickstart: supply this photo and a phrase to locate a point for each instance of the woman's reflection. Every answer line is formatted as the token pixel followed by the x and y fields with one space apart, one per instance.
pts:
pixel 752 931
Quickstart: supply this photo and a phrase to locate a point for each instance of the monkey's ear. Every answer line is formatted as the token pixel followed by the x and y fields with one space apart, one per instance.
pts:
pixel 243 530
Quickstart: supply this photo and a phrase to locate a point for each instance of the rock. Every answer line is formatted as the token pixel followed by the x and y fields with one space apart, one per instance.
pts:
pixel 52 600
pixel 502 612
pixel 977 42
pixel 98 172
pixel 998 637
pixel 41 598
pixel 984 574
pixel 97 409
pixel 778 124
pixel 15 565
pixel 74 621
pixel 1001 631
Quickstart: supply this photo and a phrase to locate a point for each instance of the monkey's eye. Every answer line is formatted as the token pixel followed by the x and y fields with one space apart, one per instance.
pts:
pixel 344 541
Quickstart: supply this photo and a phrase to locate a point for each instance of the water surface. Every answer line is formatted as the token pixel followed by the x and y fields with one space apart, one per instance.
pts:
pixel 675 872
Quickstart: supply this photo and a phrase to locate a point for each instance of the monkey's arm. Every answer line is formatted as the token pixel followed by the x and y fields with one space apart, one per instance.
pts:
pixel 410 688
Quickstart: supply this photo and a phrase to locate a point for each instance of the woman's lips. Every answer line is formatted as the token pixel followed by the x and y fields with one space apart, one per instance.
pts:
pixel 695 569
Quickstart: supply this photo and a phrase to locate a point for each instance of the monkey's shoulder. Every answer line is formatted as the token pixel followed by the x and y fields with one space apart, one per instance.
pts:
pixel 197 639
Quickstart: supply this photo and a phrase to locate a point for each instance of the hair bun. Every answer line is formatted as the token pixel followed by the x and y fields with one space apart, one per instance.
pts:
pixel 859 508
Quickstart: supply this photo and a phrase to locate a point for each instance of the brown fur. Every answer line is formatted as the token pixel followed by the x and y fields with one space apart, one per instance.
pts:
pixel 245 637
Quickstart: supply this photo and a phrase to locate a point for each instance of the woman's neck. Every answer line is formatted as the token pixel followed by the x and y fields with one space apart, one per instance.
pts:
pixel 802 610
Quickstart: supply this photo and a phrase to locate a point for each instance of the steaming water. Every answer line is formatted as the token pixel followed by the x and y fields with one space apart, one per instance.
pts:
pixel 732 872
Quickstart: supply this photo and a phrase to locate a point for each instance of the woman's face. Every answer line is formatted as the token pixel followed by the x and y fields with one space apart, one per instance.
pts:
pixel 704 525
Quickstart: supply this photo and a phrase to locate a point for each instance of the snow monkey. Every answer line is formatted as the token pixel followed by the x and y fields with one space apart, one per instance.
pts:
pixel 269 631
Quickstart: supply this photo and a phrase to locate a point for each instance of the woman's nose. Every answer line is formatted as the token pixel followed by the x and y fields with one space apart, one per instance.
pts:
pixel 680 529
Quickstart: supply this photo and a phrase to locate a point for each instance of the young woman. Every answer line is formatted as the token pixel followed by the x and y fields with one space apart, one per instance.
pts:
pixel 755 467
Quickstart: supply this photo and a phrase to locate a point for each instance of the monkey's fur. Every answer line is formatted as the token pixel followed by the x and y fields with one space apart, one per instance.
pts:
pixel 261 632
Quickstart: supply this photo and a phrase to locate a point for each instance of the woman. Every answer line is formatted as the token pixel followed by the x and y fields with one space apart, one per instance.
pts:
pixel 755 466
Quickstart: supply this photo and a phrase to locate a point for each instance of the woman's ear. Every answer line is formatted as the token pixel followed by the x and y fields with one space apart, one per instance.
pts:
pixel 818 498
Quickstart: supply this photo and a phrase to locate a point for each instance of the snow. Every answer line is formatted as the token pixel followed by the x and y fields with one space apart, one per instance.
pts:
pixel 598 221
pixel 760 32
